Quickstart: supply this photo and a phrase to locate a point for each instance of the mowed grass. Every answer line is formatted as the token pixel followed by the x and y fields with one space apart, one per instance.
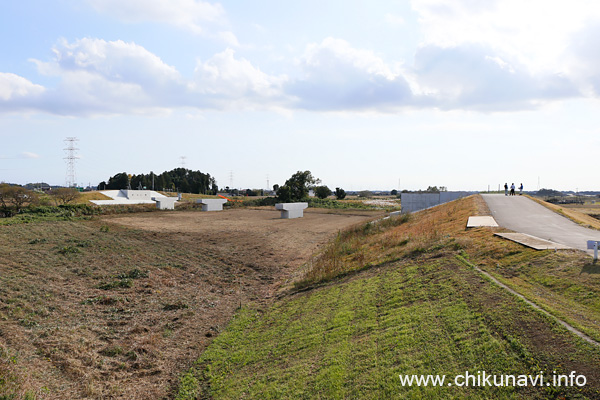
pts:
pixel 565 283
pixel 88 308
pixel 392 298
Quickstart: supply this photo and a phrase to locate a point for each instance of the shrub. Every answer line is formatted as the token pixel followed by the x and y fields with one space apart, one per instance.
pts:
pixel 340 193
pixel 65 195
pixel 322 192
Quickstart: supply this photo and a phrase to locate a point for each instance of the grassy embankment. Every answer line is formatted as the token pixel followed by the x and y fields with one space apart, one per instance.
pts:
pixel 396 297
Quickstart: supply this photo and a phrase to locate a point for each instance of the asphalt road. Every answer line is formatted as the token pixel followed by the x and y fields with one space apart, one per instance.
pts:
pixel 520 214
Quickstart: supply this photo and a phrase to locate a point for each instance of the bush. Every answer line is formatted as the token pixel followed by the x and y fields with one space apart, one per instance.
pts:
pixel 265 201
pixel 340 193
pixel 65 195
pixel 322 192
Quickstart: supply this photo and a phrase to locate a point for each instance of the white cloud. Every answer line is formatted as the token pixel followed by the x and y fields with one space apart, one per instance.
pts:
pixel 99 76
pixel 584 58
pixel 115 77
pixel 13 87
pixel 196 16
pixel 229 38
pixel 534 32
pixel 115 60
pixel 189 14
pixel 394 19
pixel 27 154
pixel 338 76
pixel 473 77
pixel 223 77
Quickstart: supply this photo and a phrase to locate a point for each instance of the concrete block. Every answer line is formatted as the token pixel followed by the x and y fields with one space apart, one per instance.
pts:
pixel 165 203
pixel 212 204
pixel 291 210
pixel 136 194
pixel 532 241
pixel 481 221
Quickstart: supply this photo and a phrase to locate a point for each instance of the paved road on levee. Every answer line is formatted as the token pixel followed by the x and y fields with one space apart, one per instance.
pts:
pixel 520 214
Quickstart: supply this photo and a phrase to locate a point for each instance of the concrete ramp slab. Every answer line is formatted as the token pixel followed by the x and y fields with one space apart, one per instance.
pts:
pixel 532 241
pixel 480 221
pixel 128 197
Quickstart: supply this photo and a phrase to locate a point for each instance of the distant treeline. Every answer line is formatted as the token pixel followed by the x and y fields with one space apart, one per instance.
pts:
pixel 179 179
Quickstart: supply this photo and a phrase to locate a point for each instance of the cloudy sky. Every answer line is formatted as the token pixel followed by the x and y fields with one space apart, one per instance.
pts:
pixel 366 95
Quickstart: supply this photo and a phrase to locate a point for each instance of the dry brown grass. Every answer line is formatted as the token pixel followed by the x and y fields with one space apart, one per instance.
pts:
pixel 117 307
pixel 85 197
pixel 375 243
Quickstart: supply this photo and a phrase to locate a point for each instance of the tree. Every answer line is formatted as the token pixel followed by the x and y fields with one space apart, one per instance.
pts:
pixel 14 198
pixel 284 194
pixel 394 192
pixel 65 195
pixel 297 186
pixel 117 182
pixel 340 193
pixel 180 178
pixel 322 192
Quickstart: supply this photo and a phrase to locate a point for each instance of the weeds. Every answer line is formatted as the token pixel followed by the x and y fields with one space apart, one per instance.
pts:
pixel 69 250
pixel 351 249
pixel 133 274
pixel 112 351
pixel 175 306
pixel 119 284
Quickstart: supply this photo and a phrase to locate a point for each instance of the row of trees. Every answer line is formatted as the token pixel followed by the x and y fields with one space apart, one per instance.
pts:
pixel 178 179
pixel 14 198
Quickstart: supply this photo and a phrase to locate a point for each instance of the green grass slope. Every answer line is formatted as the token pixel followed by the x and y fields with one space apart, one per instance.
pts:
pixel 391 299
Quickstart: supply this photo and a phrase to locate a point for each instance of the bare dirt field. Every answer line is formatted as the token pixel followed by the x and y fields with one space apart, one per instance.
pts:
pixel 119 306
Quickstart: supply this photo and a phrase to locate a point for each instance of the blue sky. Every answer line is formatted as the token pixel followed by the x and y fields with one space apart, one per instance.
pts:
pixel 366 95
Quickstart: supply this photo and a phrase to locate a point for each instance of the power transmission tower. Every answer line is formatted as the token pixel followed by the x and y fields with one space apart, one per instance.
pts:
pixel 71 157
pixel 182 158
